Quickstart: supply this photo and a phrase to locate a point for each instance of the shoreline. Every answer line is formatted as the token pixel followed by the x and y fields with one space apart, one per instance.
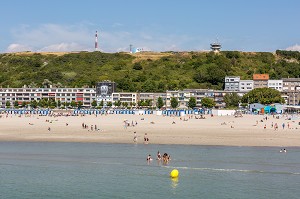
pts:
pixel 246 131
pixel 126 143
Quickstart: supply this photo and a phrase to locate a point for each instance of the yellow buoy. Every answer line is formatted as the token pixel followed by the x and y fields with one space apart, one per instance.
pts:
pixel 174 173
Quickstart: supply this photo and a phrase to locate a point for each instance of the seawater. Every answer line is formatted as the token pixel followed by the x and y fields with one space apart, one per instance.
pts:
pixel 96 170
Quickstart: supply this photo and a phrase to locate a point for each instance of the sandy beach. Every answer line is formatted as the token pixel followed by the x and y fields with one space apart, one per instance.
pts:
pixel 249 130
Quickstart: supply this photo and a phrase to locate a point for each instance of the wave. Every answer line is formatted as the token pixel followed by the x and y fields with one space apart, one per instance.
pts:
pixel 235 170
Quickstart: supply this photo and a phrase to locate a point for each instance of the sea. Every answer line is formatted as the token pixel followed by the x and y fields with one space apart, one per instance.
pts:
pixel 95 170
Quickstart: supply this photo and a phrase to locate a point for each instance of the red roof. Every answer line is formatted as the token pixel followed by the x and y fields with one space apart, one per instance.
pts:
pixel 261 77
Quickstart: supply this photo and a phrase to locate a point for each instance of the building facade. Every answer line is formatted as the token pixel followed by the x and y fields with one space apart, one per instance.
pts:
pixel 291 90
pixel 246 85
pixel 232 83
pixel 104 91
pixel 85 95
pixel 275 84
pixel 260 80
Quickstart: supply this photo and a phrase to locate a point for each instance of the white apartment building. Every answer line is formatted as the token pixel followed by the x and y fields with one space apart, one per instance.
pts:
pixel 125 97
pixel 246 85
pixel 275 84
pixel 232 83
pixel 85 95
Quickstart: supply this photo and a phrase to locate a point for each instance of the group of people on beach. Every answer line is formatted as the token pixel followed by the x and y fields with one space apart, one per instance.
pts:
pixel 93 127
pixel 135 138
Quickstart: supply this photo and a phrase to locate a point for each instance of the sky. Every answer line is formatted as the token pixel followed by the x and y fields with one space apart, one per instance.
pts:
pixel 153 25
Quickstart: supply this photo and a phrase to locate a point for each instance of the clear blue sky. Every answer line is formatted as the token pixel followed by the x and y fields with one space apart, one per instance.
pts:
pixel 156 25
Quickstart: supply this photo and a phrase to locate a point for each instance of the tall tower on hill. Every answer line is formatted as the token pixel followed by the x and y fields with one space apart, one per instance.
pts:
pixel 216 47
pixel 96 41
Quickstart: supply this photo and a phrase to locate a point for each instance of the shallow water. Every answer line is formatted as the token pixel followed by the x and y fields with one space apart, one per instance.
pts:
pixel 95 170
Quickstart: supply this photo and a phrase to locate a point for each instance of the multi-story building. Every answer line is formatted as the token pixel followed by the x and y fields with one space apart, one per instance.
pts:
pixel 291 84
pixel 232 83
pixel 184 96
pixel 130 98
pixel 275 84
pixel 104 91
pixel 85 95
pixel 200 94
pixel 152 96
pixel 291 90
pixel 169 96
pixel 260 80
pixel 246 85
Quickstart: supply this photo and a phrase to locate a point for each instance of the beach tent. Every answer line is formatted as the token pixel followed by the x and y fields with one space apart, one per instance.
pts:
pixel 256 107
pixel 269 109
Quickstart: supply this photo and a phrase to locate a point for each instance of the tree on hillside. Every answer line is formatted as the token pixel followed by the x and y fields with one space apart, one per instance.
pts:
pixel 263 96
pixel 192 103
pixel 137 66
pixel 232 99
pixel 160 103
pixel 174 102
pixel 46 83
pixel 207 102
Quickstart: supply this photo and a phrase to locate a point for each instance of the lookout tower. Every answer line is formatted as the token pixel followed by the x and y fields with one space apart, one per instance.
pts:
pixel 215 47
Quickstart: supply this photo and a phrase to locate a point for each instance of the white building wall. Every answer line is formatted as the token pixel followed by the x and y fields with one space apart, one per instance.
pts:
pixel 219 112
pixel 246 85
pixel 275 84
pixel 232 83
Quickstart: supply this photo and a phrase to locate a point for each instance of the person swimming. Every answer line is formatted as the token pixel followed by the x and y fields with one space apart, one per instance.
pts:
pixel 158 156
pixel 166 157
pixel 149 158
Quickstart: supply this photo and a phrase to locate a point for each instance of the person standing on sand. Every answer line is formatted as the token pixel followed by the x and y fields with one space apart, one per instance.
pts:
pixel 146 139
pixel 134 137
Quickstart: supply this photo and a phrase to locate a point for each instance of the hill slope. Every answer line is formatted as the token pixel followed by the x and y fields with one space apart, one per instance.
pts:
pixel 147 72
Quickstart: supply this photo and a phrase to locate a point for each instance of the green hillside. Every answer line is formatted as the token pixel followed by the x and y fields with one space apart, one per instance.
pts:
pixel 146 72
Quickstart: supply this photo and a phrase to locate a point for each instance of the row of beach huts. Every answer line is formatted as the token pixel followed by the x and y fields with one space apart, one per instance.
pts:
pixel 103 111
